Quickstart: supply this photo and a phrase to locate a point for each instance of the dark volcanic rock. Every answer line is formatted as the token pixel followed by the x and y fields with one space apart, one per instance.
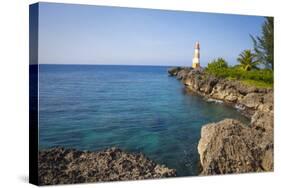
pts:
pixel 181 74
pixel 66 166
pixel 174 71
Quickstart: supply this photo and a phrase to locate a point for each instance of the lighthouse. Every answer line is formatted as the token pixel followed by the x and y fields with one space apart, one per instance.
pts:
pixel 196 58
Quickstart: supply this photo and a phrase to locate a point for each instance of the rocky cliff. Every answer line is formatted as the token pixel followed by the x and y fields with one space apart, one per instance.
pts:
pixel 67 166
pixel 247 99
pixel 230 146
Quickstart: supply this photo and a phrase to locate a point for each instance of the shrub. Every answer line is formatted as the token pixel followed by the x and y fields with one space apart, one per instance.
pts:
pixel 236 73
pixel 217 64
pixel 219 68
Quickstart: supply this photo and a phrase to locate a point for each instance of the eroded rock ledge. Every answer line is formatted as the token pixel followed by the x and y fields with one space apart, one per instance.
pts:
pixel 67 166
pixel 229 146
pixel 247 99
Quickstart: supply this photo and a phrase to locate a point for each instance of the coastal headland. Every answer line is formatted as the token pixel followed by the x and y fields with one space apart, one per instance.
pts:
pixel 230 146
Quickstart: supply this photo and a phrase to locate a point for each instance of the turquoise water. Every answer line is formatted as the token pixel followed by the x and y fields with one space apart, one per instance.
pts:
pixel 136 108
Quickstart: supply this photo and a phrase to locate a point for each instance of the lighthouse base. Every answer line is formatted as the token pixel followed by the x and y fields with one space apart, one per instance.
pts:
pixel 195 65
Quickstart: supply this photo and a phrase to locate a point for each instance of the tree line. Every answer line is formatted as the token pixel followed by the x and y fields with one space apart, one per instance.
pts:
pixel 255 66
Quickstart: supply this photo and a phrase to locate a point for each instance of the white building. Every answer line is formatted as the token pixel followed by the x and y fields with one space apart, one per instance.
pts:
pixel 196 58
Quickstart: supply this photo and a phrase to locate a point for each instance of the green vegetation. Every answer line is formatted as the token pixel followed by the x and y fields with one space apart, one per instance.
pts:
pixel 249 70
pixel 217 64
pixel 264 45
pixel 258 84
pixel 254 77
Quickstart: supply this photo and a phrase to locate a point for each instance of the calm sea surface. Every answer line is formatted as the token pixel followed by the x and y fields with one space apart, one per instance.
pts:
pixel 136 108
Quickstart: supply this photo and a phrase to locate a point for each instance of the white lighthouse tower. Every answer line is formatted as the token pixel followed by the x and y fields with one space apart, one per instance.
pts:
pixel 196 58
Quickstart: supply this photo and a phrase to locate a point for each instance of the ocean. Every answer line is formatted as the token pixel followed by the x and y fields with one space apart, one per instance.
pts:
pixel 135 108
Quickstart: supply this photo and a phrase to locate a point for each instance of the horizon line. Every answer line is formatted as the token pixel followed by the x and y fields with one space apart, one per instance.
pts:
pixel 110 64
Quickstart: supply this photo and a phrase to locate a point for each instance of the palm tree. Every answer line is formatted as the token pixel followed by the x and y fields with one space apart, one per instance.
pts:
pixel 248 60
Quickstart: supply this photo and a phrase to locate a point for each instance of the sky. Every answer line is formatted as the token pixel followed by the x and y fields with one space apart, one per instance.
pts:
pixel 87 34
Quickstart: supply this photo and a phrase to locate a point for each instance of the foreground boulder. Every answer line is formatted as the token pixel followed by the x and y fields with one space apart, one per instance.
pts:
pixel 232 147
pixel 67 166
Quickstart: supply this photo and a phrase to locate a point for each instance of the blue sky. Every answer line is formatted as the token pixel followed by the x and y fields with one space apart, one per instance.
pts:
pixel 87 34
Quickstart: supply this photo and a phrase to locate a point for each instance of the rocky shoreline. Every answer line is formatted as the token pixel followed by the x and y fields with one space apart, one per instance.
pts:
pixel 67 166
pixel 225 147
pixel 229 146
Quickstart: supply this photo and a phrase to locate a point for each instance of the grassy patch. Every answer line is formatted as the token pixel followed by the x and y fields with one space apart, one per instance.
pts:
pixel 258 84
pixel 262 78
